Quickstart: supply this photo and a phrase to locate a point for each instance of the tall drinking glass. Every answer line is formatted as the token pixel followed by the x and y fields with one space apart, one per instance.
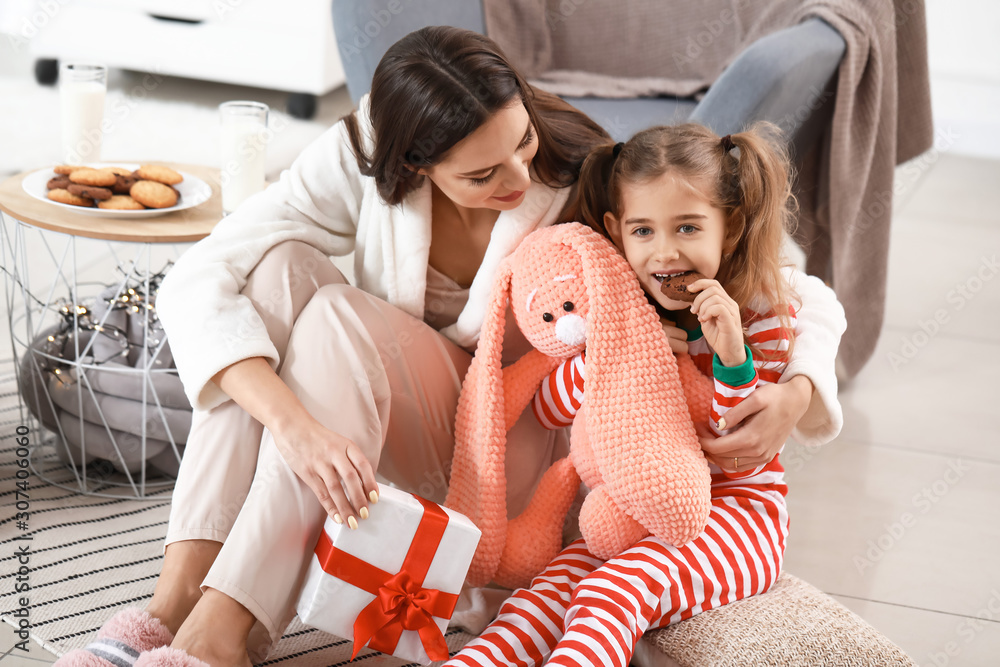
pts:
pixel 81 101
pixel 244 154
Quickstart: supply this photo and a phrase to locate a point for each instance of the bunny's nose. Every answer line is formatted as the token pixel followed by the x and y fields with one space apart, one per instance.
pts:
pixel 572 330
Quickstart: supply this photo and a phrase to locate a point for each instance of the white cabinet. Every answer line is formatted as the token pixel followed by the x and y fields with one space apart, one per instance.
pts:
pixel 283 45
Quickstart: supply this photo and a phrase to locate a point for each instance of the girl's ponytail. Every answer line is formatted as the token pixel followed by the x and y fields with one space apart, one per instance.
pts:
pixel 592 189
pixel 763 211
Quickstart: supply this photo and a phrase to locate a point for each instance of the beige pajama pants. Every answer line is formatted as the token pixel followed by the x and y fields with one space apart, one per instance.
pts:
pixel 364 369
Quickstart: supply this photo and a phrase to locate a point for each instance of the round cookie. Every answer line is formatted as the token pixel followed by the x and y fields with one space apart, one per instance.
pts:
pixel 121 203
pixel 100 177
pixel 58 182
pixel 124 183
pixel 66 197
pixel 675 287
pixel 91 191
pixel 153 194
pixel 66 169
pixel 160 174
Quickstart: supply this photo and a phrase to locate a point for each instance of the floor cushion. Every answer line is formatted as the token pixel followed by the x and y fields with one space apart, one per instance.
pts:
pixel 793 624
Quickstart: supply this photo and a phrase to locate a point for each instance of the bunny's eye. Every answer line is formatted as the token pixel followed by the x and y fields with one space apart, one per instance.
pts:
pixel 568 306
pixel 547 317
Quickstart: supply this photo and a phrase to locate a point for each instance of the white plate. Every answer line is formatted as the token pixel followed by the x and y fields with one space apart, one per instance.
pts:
pixel 193 191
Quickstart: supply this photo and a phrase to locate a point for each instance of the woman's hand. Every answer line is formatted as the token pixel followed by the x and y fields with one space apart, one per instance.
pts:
pixel 761 424
pixel 720 321
pixel 332 466
pixel 676 336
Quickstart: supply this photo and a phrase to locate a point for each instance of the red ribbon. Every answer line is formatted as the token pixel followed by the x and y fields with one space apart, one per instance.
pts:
pixel 401 602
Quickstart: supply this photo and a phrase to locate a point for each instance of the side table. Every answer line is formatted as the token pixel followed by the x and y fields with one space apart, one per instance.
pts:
pixel 56 264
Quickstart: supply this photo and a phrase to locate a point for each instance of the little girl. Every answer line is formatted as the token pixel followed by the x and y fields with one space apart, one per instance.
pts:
pixel 674 200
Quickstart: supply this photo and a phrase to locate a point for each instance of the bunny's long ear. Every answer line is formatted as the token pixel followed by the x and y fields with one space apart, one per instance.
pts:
pixel 699 389
pixel 478 485
pixel 638 422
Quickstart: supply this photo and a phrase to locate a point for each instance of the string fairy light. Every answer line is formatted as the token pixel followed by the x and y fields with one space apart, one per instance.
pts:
pixel 131 299
pixel 97 346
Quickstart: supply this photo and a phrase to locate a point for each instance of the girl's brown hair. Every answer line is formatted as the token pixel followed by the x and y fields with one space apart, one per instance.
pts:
pixel 752 187
pixel 436 86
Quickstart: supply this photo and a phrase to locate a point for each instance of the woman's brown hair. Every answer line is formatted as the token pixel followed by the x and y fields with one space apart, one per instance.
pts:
pixel 753 189
pixel 436 86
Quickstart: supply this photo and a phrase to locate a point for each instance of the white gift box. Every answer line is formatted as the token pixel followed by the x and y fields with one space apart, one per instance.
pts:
pixel 357 586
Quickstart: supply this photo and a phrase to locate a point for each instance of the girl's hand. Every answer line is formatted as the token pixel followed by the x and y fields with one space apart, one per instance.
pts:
pixel 676 336
pixel 720 321
pixel 761 424
pixel 332 466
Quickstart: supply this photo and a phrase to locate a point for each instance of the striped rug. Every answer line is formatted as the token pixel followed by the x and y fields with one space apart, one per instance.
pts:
pixel 91 556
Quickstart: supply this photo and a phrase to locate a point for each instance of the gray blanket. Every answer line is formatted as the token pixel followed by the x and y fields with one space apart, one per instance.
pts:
pixel 881 118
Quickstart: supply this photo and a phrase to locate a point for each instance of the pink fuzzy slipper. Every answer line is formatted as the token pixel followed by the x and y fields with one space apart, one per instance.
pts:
pixel 120 641
pixel 168 657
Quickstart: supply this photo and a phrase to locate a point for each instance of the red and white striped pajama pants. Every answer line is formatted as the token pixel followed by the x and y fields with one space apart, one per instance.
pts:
pixel 582 611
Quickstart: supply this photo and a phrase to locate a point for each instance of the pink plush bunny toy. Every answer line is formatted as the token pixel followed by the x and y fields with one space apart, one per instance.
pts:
pixel 633 443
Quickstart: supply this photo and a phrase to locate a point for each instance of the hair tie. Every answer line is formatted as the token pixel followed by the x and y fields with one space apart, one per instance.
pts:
pixel 617 149
pixel 727 143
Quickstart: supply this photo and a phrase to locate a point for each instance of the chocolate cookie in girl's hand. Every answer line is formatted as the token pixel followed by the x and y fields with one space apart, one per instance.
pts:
pixel 676 287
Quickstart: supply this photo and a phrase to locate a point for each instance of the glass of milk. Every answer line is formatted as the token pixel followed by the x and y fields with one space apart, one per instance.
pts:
pixel 81 101
pixel 244 143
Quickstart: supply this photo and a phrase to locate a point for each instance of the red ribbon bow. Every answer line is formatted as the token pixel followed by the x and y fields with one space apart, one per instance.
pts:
pixel 401 602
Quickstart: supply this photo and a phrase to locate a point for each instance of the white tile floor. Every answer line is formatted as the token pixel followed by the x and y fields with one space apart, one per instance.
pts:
pixel 13 656
pixel 898 517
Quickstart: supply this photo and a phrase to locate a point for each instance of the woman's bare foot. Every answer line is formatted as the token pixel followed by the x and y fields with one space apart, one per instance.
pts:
pixel 178 588
pixel 216 631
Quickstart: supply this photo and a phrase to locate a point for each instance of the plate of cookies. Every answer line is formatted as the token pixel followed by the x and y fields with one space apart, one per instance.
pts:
pixel 118 190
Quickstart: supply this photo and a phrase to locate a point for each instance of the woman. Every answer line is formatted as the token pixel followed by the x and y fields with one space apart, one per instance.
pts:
pixel 451 161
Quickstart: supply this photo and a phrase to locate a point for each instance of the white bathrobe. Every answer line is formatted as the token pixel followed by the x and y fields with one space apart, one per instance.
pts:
pixel 326 202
